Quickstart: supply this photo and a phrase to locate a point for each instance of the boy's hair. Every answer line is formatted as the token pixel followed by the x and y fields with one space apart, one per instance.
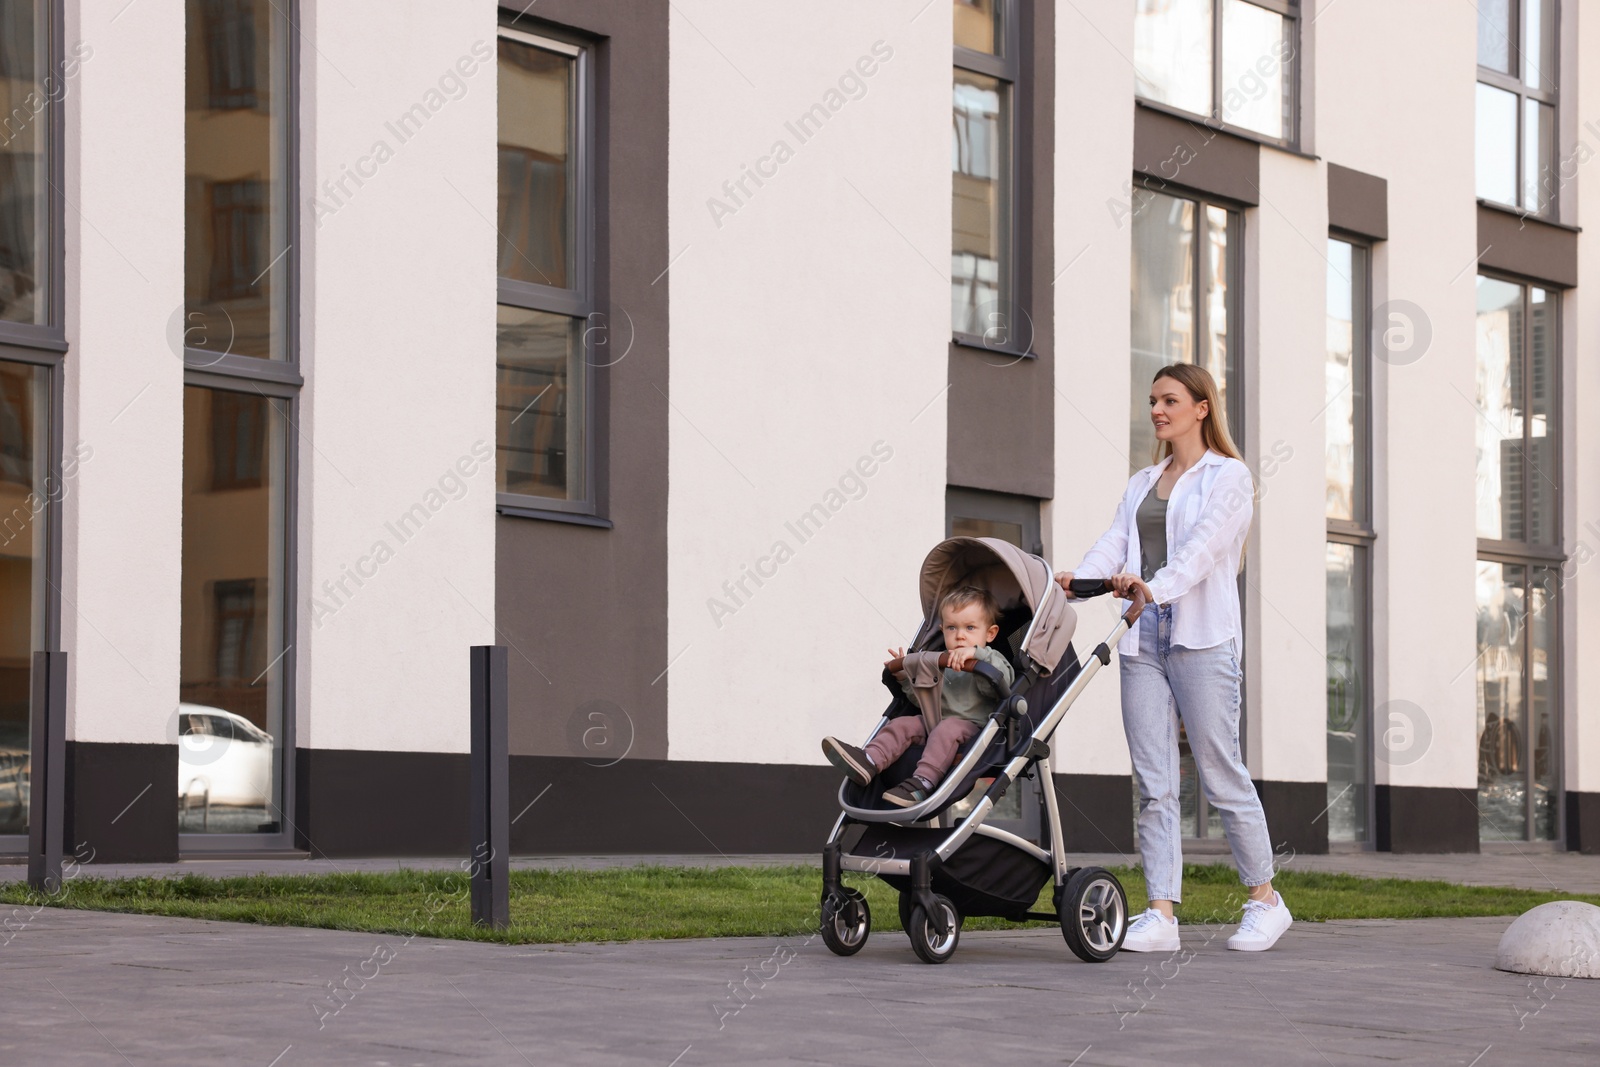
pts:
pixel 968 595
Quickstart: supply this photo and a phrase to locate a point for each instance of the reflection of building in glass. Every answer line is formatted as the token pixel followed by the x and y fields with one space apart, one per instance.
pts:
pixel 22 557
pixel 234 159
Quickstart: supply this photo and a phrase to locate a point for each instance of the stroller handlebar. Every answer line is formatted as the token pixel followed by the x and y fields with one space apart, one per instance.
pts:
pixel 896 665
pixel 1085 588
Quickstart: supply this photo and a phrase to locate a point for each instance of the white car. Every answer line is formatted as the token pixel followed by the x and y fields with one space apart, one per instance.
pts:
pixel 223 758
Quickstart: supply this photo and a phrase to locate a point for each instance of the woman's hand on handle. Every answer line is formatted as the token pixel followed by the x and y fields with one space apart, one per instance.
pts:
pixel 1064 580
pixel 1123 585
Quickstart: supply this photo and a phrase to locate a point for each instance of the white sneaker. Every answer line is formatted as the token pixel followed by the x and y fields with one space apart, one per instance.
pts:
pixel 1262 925
pixel 1152 932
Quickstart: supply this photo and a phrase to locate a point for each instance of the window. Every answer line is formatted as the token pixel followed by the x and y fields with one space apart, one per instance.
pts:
pixel 982 164
pixel 1184 307
pixel 1252 86
pixel 544 376
pixel 1518 584
pixel 241 387
pixel 34 69
pixel 234 634
pixel 979 513
pixel 24 457
pixel 1185 289
pixel 1350 536
pixel 26 137
pixel 1015 520
pixel 1517 73
pixel 237 208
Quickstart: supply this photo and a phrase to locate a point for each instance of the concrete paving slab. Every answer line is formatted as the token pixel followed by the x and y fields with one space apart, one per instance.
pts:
pixel 95 988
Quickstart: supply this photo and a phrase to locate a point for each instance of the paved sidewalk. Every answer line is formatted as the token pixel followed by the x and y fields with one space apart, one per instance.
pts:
pixel 1525 867
pixel 86 988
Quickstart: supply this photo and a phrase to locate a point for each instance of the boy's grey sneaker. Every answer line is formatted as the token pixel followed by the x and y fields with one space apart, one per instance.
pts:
pixel 909 792
pixel 849 759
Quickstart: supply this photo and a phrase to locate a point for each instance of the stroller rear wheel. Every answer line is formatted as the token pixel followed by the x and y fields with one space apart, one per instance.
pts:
pixel 846 921
pixel 926 941
pixel 1094 914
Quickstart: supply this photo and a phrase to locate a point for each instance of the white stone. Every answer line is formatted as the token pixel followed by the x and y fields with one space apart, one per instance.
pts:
pixel 1561 939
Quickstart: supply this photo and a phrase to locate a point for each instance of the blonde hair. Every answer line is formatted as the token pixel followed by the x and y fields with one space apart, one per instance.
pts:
pixel 968 595
pixel 1202 387
pixel 1213 428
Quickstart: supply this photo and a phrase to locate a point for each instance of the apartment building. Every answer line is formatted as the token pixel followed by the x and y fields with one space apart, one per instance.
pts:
pixel 659 342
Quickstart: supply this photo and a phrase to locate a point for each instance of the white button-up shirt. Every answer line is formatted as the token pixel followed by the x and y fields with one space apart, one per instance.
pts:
pixel 1208 516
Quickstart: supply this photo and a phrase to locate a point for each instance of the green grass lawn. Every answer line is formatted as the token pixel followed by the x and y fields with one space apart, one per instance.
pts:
pixel 627 904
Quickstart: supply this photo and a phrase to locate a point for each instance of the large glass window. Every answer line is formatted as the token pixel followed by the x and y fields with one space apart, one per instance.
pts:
pixel 230 715
pixel 1014 520
pixel 1517 71
pixel 27 94
pixel 1229 61
pixel 236 154
pixel 1184 295
pixel 24 452
pixel 233 725
pixel 543 378
pixel 1350 535
pixel 982 166
pixel 1185 271
pixel 1518 585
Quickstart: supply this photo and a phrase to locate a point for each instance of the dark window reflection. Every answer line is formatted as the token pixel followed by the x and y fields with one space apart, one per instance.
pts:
pixel 24 152
pixel 540 404
pixel 23 403
pixel 236 210
pixel 231 670
pixel 536 165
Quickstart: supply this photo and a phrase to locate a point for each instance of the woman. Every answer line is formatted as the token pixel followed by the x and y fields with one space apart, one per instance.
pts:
pixel 1178 538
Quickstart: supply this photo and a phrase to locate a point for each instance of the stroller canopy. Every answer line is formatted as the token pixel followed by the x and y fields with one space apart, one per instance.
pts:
pixel 1016 579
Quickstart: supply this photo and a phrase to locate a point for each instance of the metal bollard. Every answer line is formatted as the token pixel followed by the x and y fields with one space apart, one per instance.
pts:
pixel 47 773
pixel 490 816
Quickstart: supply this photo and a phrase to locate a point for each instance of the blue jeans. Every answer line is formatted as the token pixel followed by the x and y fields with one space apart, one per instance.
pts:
pixel 1200 686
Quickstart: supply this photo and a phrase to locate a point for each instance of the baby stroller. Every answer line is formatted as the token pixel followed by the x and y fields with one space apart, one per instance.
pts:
pixel 946 868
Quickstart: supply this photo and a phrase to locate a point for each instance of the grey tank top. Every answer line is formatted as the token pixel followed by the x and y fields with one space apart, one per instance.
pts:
pixel 1152 519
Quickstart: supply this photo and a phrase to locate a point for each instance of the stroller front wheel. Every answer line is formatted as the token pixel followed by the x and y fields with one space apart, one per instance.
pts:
pixel 846 921
pixel 926 941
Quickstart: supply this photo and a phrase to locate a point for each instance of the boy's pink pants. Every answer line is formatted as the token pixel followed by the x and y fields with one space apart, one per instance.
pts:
pixel 900 734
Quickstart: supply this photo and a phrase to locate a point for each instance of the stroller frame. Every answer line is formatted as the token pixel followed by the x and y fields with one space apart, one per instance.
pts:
pixel 1091 905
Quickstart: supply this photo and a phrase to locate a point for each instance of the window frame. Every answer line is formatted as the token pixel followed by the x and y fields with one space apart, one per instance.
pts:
pixel 1514 84
pixel 579 302
pixel 1007 68
pixel 1539 557
pixel 1288 9
pixel 1359 532
pixel 1235 269
pixel 50 335
pixel 278 381
pixel 44 344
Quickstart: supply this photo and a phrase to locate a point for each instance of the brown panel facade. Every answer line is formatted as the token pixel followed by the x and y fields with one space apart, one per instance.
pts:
pixel 1426 819
pixel 1169 150
pixel 1358 203
pixel 1001 425
pixel 1521 244
pixel 584 608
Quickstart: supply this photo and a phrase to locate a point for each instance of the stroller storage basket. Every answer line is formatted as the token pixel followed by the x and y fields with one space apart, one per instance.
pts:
pixel 984 877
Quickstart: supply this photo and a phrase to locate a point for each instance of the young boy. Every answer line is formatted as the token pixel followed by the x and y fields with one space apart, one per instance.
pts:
pixel 970 619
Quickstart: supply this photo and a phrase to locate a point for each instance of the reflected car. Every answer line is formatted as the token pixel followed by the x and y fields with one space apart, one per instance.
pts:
pixel 223 758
